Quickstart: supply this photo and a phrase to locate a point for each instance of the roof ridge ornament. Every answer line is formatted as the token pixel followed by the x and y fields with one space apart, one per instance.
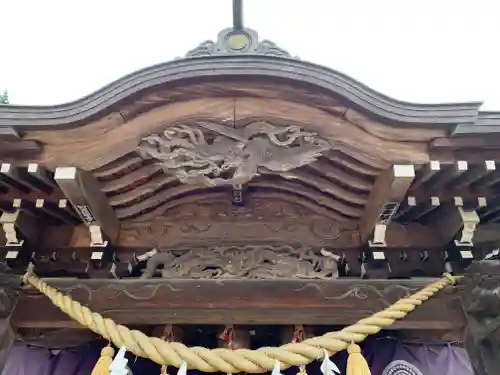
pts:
pixel 237 39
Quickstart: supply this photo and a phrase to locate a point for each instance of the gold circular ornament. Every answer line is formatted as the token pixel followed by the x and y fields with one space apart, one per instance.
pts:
pixel 238 42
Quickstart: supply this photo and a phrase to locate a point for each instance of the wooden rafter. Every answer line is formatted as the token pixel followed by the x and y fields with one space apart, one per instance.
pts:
pixel 425 174
pixel 445 179
pixel 475 174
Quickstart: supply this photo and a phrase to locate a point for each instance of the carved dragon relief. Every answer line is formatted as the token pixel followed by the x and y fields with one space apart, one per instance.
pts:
pixel 250 262
pixel 231 156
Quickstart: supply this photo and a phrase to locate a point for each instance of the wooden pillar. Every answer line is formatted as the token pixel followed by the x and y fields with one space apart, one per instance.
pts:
pixel 480 298
pixel 9 294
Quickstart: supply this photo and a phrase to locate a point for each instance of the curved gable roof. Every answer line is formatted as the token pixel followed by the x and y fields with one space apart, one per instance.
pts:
pixel 236 54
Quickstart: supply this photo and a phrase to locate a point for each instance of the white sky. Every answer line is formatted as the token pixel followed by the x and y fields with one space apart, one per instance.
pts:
pixel 54 51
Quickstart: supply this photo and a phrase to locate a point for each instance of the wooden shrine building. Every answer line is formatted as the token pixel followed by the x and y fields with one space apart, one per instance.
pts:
pixel 242 186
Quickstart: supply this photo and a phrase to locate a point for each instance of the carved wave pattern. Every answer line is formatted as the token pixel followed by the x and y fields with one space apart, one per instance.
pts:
pixel 331 184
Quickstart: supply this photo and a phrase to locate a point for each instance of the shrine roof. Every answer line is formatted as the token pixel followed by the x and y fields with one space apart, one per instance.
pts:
pixel 238 55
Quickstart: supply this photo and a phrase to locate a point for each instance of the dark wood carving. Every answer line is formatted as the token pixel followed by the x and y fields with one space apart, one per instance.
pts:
pixel 235 156
pixel 481 303
pixel 161 233
pixel 230 301
pixel 9 295
pixel 251 262
pixel 110 138
pixel 217 221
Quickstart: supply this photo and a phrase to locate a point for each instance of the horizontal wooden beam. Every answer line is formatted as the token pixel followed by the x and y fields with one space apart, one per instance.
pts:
pixel 188 301
pixel 140 237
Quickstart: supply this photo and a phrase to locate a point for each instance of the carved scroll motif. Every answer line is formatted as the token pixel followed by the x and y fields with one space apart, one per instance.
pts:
pixel 256 209
pixel 184 233
pixel 249 262
pixel 235 157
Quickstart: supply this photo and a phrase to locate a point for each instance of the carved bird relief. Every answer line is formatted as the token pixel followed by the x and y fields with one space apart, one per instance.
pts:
pixel 234 157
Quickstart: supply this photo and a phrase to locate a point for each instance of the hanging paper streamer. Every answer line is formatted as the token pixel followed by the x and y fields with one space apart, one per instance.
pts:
pixel 276 368
pixel 328 367
pixel 183 368
pixel 119 364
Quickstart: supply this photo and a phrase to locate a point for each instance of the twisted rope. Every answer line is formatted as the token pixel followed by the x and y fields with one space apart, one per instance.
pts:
pixel 239 360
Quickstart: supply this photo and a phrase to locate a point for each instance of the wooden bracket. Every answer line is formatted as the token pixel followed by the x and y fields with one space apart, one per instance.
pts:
pixel 470 220
pixel 100 258
pixel 378 239
pixel 18 227
pixel 374 264
pixel 455 223
pixel 11 236
pixel 84 193
pixel 96 236
pixel 389 190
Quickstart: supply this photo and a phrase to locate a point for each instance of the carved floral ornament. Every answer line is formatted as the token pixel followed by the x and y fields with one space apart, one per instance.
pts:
pixel 214 155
